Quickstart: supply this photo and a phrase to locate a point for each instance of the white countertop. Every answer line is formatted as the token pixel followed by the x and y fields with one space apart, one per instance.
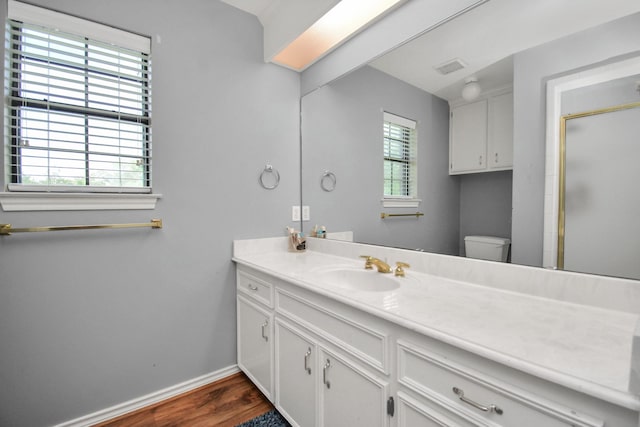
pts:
pixel 582 347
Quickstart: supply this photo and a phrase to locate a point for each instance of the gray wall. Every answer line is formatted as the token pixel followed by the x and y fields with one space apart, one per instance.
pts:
pixel 607 94
pixel 485 205
pixel 342 132
pixel 95 318
pixel 532 68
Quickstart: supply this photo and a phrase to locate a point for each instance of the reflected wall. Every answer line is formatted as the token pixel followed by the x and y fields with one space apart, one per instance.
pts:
pixel 342 133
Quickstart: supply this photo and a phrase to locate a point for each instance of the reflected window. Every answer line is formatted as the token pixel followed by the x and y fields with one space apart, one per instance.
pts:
pixel 78 111
pixel 400 168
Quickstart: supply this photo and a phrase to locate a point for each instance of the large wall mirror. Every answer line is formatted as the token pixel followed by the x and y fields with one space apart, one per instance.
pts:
pixel 510 53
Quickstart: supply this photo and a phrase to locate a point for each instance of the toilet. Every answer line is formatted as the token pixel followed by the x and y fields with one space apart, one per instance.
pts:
pixel 487 247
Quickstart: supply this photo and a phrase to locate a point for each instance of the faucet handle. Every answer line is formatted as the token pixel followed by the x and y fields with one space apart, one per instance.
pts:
pixel 399 270
pixel 367 263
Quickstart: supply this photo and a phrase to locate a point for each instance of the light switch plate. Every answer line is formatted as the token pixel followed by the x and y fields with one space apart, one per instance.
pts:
pixel 306 213
pixel 295 213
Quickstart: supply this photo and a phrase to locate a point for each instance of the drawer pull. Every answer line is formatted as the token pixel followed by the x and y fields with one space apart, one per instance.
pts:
pixel 490 408
pixel 306 361
pixel 325 381
pixel 264 325
pixel 252 287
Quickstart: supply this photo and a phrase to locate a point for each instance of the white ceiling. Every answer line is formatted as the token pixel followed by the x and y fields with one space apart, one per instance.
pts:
pixel 255 7
pixel 484 38
pixel 490 34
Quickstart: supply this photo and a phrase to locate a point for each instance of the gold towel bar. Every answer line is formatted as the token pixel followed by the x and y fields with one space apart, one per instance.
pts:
pixel 6 229
pixel 387 215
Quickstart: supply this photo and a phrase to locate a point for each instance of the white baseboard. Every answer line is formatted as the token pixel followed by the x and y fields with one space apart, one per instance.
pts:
pixel 150 399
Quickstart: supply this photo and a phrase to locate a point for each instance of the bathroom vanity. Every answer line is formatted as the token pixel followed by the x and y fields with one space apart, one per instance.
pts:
pixel 456 342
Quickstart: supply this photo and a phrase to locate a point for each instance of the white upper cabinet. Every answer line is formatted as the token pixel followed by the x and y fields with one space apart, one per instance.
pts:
pixel 500 132
pixel 468 141
pixel 481 135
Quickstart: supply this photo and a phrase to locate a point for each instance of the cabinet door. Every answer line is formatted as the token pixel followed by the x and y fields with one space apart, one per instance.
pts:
pixel 350 396
pixel 468 142
pixel 296 385
pixel 500 145
pixel 255 344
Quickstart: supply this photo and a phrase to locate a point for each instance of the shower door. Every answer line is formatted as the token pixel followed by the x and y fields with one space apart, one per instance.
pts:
pixel 599 222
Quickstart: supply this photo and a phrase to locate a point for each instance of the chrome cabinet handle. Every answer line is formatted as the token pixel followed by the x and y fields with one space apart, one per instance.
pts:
pixel 252 287
pixel 325 381
pixel 490 408
pixel 496 157
pixel 306 361
pixel 480 160
pixel 264 325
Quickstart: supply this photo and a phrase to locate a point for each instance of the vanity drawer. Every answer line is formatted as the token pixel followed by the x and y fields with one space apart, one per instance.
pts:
pixel 481 399
pixel 345 329
pixel 255 288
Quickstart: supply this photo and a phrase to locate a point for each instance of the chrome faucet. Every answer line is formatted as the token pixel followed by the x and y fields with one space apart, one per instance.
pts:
pixel 370 261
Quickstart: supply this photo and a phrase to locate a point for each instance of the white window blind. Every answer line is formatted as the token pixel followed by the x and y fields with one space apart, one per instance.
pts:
pixel 400 152
pixel 79 107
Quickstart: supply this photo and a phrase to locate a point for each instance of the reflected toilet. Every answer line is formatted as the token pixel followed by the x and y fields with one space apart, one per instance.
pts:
pixel 487 247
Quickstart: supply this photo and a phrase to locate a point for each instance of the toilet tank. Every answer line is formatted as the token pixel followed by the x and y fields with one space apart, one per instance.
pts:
pixel 487 247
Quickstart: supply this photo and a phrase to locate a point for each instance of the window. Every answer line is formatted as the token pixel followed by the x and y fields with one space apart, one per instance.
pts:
pixel 78 104
pixel 400 167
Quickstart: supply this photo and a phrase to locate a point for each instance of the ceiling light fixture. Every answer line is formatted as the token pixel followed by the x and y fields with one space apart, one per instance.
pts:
pixel 334 27
pixel 471 89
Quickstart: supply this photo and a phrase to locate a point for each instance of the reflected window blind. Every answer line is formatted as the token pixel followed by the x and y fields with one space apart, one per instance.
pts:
pixel 78 110
pixel 400 168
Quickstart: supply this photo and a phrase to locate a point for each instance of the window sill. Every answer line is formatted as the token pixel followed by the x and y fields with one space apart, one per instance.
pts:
pixel 28 201
pixel 401 203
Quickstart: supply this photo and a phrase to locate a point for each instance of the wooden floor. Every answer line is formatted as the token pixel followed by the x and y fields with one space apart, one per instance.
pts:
pixel 225 403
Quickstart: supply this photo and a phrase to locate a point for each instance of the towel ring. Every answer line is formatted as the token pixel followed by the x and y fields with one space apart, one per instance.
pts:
pixel 268 171
pixel 328 181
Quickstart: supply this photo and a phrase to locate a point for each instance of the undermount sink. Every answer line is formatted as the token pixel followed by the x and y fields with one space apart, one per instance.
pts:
pixel 360 279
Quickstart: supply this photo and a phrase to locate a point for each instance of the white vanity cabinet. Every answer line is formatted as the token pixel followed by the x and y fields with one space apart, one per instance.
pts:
pixel 326 362
pixel 350 395
pixel 481 135
pixel 436 389
pixel 297 372
pixel 331 362
pixel 330 365
pixel 317 386
pixel 255 331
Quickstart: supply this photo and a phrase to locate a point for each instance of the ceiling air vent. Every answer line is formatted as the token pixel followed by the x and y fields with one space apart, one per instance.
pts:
pixel 450 66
